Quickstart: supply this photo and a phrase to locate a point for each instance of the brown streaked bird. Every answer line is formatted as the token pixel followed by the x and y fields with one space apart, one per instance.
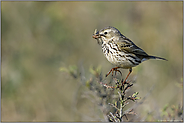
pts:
pixel 120 51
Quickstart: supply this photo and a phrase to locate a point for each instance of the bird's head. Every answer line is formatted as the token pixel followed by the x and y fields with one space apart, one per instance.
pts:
pixel 107 34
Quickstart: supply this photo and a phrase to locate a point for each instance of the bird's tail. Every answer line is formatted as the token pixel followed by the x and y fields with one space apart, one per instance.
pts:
pixel 155 57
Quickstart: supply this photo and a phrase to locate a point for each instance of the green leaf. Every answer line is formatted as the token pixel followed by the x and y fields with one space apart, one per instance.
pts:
pixel 165 107
pixel 88 83
pixel 137 98
pixel 72 68
pixel 63 69
pixel 135 94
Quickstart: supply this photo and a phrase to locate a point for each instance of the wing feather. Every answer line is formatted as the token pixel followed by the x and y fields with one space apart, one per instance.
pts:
pixel 127 45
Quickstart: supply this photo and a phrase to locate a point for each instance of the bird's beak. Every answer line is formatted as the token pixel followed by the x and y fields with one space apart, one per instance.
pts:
pixel 97 35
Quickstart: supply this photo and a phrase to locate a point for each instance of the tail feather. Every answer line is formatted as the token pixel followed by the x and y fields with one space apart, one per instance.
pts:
pixel 155 57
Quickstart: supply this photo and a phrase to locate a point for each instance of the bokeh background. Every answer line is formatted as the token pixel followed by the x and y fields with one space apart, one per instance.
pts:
pixel 39 38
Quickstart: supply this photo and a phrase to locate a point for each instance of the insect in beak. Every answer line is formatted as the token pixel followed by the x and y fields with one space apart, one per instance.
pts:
pixel 96 34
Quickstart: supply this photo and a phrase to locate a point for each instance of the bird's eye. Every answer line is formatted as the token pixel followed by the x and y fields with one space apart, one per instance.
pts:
pixel 105 33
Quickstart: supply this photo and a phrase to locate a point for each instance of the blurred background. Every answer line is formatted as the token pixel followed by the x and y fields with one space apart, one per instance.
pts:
pixel 39 38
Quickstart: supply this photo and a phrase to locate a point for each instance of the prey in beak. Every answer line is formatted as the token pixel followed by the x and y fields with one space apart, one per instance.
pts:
pixel 97 36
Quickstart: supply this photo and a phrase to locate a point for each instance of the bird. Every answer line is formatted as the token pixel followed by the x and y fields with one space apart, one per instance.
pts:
pixel 120 50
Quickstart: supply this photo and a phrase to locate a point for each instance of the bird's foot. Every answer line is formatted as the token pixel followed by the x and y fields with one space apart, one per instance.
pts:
pixel 112 70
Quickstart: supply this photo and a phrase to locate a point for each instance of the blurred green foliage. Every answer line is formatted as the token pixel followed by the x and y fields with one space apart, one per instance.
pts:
pixel 39 38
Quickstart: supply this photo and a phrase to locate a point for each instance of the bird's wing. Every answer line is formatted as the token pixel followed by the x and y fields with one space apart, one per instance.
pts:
pixel 126 45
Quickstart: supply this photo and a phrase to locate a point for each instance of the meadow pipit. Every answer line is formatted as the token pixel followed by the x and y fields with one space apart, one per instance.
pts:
pixel 120 51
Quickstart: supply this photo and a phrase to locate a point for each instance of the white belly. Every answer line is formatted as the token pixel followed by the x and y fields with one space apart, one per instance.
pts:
pixel 116 57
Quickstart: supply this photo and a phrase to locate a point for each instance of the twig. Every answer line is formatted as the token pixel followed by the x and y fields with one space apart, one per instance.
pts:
pixel 113 117
pixel 107 86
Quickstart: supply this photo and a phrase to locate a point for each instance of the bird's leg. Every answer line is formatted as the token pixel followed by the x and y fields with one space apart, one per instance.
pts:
pixel 130 70
pixel 118 71
pixel 112 70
